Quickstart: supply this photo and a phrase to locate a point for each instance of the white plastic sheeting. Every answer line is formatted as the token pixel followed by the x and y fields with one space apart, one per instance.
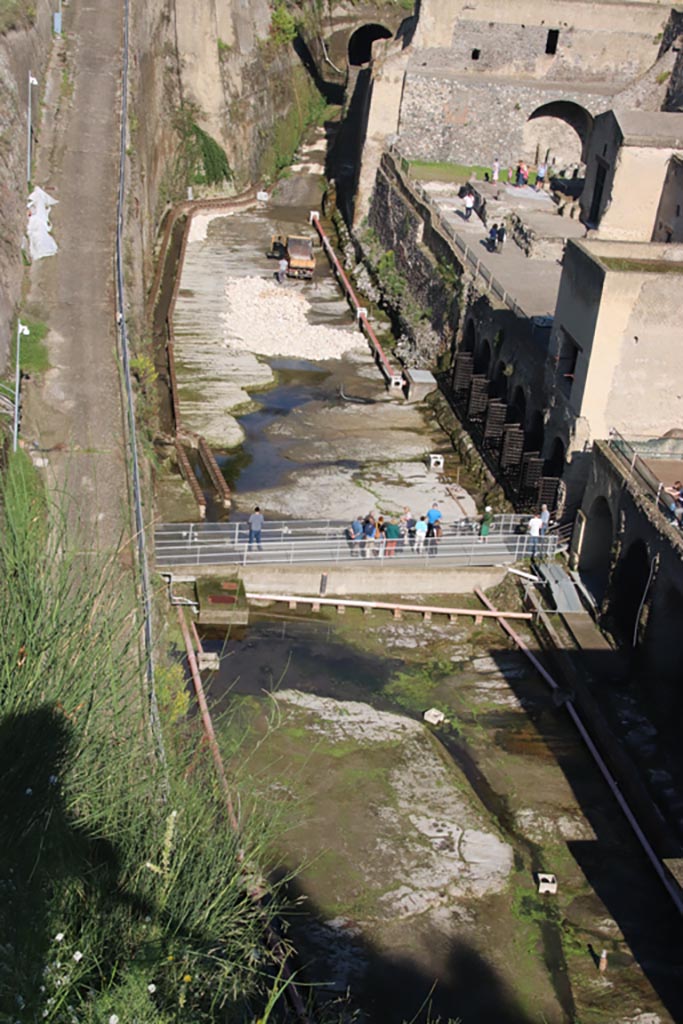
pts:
pixel 40 240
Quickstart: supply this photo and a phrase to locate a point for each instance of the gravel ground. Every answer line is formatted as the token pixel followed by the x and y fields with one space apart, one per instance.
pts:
pixel 272 320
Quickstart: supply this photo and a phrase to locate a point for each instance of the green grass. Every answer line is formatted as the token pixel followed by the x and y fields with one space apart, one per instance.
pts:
pixel 34 357
pixel 423 170
pixel 630 266
pixel 123 890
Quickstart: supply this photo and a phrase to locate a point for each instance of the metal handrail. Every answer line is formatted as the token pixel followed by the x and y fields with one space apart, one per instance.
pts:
pixel 196 549
pixel 641 474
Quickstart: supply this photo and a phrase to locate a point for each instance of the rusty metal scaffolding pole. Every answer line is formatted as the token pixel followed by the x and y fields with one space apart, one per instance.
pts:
pixel 291 989
pixel 612 783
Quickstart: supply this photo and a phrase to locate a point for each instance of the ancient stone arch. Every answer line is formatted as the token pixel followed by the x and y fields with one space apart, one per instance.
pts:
pixel 554 464
pixel 629 582
pixel 596 549
pixel 517 412
pixel 499 384
pixel 535 438
pixel 559 131
pixel 360 43
pixel 469 337
pixel 482 357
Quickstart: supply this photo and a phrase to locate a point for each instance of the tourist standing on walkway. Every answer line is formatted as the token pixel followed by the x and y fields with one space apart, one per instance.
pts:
pixel 541 172
pixel 485 527
pixel 420 534
pixel 496 170
pixel 534 528
pixel 469 204
pixel 545 520
pixel 392 533
pixel 500 238
pixel 380 538
pixel 282 270
pixel 256 521
pixel 355 535
pixel 368 534
pixel 433 517
pixel 493 238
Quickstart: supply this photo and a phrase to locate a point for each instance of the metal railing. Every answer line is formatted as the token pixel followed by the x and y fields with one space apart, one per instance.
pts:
pixel 640 474
pixel 195 546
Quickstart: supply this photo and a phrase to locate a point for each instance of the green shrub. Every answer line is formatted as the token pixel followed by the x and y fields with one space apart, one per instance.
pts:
pixel 283 29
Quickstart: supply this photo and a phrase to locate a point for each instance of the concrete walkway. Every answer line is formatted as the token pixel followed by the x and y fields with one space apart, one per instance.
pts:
pixel 532 283
pixel 75 413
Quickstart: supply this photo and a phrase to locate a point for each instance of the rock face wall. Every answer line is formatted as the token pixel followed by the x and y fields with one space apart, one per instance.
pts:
pixel 21 50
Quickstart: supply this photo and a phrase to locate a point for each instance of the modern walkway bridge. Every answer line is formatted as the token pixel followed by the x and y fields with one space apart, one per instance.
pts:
pixel 186 545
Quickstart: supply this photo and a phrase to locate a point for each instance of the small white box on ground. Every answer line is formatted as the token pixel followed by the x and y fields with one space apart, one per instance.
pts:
pixel 262 197
pixel 434 716
pixel 208 661
pixel 435 461
pixel 397 382
pixel 420 383
pixel 547 884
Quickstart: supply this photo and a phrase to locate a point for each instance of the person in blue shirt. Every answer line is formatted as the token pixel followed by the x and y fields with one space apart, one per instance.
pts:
pixel 433 517
pixel 355 535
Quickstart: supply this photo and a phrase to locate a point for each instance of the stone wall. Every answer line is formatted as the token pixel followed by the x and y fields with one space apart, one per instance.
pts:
pixel 469 121
pixel 21 50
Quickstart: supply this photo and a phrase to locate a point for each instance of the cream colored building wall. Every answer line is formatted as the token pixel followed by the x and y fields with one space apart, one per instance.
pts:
pixel 605 352
pixel 631 213
pixel 670 213
pixel 624 19
pixel 646 396
pixel 383 119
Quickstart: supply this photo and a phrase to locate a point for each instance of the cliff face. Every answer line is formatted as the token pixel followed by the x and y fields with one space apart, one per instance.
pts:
pixel 21 50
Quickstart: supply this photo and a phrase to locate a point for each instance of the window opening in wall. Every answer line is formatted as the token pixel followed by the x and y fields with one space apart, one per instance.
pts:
pixel 566 362
pixel 678 211
pixel 669 236
pixel 475 54
pixel 551 41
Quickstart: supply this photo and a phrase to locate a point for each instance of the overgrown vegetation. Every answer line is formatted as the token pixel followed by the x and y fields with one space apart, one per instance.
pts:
pixel 308 107
pixel 124 895
pixel 34 356
pixel 16 14
pixel 283 26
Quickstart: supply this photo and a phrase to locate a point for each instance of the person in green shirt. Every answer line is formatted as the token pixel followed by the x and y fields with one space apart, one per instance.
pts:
pixel 392 533
pixel 485 527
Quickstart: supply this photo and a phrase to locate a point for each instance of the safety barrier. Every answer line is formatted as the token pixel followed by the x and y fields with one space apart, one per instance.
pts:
pixel 193 545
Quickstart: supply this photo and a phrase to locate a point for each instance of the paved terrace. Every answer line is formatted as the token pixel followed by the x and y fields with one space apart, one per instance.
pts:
pixel 532 282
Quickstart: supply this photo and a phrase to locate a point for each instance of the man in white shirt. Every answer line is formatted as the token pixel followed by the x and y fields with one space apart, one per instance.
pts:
pixel 534 529
pixel 469 204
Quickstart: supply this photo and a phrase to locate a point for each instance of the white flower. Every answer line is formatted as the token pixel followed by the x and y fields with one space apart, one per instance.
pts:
pixel 78 956
pixel 151 988
pixel 113 1019
pixel 59 937
pixel 29 791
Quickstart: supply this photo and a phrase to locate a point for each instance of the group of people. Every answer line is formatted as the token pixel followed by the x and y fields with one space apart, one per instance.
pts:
pixel 376 537
pixel 519 177
pixel 497 235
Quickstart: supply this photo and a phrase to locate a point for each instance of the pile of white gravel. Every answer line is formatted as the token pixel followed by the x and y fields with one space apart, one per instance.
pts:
pixel 271 320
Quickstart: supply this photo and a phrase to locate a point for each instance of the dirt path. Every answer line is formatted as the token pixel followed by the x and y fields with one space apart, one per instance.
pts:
pixel 76 411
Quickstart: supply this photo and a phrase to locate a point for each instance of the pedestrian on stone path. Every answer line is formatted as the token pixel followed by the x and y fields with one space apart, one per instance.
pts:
pixel 541 172
pixel 485 527
pixel 420 534
pixel 380 538
pixel 282 270
pixel 256 521
pixel 493 238
pixel 407 521
pixel 469 204
pixel 545 520
pixel 495 170
pixel 500 238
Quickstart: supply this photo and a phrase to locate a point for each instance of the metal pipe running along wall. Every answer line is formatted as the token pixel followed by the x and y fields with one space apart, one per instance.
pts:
pixel 393 377
pixel 660 870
